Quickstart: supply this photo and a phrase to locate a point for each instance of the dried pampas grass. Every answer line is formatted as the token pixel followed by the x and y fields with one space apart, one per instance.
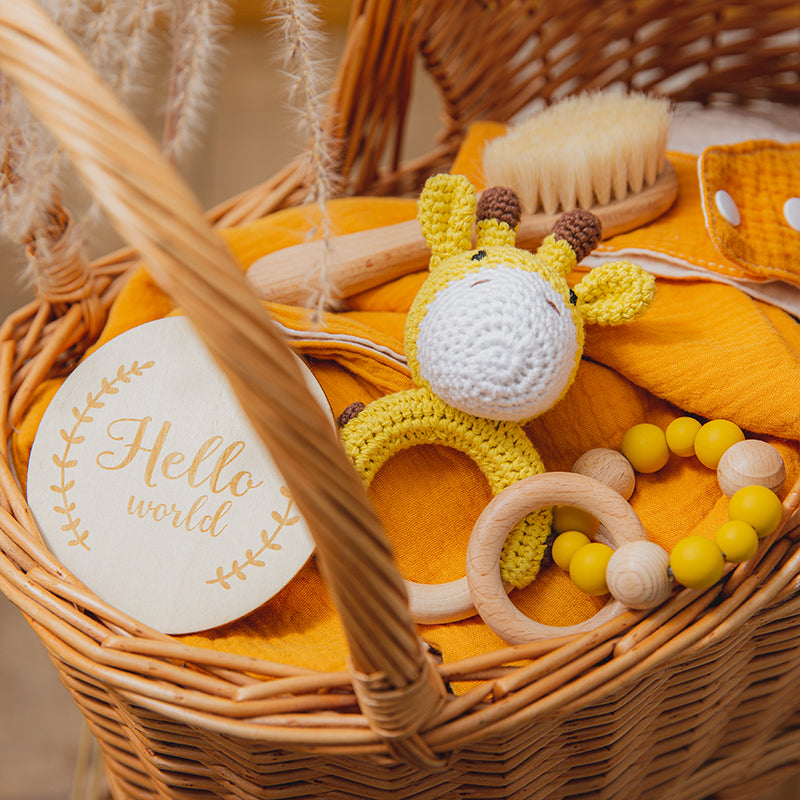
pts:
pixel 302 41
pixel 198 31
pixel 121 39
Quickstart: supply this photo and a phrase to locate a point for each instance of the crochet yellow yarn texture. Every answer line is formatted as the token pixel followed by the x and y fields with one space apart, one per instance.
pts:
pixel 446 211
pixel 500 449
pixel 476 404
pixel 553 261
pixel 614 294
pixel 493 233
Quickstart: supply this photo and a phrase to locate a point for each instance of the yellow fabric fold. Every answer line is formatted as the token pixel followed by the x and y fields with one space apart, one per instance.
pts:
pixel 680 233
pixel 702 348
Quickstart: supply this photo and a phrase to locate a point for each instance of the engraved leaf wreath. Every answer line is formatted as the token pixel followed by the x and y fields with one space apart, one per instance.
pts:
pixel 64 462
pixel 252 559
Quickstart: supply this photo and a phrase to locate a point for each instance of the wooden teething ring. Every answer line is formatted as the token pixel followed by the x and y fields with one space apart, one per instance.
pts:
pixel 433 603
pixel 504 511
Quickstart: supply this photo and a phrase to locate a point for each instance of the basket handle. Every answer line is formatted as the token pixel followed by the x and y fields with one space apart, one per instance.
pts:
pixel 398 688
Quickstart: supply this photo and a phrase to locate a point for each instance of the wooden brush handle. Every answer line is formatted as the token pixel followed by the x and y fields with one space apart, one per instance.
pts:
pixel 360 261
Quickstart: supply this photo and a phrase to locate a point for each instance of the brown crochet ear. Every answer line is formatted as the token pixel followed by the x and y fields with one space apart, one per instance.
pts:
pixel 581 229
pixel 351 412
pixel 500 203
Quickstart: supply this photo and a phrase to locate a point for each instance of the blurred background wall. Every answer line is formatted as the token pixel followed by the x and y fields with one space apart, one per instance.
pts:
pixel 249 136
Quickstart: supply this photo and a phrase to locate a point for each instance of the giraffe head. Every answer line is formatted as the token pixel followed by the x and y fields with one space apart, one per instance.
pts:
pixel 495 330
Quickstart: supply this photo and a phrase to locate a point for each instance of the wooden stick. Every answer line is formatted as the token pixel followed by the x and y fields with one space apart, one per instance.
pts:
pixel 69 323
pixel 360 261
pixel 33 333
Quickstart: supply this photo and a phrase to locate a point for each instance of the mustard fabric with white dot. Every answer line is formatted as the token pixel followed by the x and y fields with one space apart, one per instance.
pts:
pixel 760 177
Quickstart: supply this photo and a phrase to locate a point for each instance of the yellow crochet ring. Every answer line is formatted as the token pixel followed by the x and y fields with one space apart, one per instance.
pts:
pixel 483 552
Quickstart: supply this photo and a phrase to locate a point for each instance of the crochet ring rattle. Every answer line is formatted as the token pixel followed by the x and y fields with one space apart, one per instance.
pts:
pixel 641 577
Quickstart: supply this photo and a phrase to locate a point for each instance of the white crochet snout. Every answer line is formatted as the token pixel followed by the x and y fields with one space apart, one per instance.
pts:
pixel 499 343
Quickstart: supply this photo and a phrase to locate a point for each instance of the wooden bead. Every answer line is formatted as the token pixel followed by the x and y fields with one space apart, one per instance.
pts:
pixel 750 463
pixel 637 575
pixel 608 467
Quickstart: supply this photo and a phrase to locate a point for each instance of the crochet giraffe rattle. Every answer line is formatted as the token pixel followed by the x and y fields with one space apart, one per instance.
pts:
pixel 493 339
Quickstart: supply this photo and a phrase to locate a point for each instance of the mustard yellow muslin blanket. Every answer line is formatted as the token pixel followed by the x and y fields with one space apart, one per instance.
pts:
pixel 703 347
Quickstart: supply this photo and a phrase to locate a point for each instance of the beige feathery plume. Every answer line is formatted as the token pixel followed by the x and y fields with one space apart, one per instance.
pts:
pixel 31 214
pixel 121 38
pixel 198 30
pixel 117 39
pixel 302 42
pixel 30 167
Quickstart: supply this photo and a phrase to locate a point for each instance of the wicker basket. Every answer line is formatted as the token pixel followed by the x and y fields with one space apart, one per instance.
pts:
pixel 697 697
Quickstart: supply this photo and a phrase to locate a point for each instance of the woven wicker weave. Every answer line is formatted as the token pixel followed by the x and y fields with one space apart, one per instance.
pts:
pixel 697 697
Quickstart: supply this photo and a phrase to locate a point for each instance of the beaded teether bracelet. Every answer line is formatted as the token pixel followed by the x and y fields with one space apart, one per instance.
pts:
pixel 749 472
pixel 637 573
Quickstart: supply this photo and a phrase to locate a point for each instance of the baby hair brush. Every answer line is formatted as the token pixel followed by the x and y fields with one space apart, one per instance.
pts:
pixel 584 151
pixel 603 151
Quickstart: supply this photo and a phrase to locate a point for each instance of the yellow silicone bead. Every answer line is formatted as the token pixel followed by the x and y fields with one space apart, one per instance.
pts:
pixel 680 435
pixel 696 562
pixel 645 446
pixel 587 568
pixel 566 545
pixel 714 438
pixel 569 518
pixel 757 506
pixel 737 540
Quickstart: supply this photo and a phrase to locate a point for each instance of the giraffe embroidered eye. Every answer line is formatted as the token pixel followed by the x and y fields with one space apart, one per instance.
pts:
pixel 727 208
pixel 573 298
pixel 479 256
pixel 553 306
pixel 791 212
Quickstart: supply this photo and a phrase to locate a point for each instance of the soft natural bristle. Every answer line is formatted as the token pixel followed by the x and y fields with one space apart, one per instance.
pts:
pixel 583 151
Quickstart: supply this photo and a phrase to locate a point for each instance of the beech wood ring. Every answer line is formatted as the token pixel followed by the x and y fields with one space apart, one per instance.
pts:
pixel 432 603
pixel 504 511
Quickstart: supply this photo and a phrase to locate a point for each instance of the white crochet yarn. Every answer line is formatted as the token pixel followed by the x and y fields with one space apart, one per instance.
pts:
pixel 499 343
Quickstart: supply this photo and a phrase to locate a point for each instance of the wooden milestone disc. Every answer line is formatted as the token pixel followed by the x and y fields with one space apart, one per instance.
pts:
pixel 150 485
